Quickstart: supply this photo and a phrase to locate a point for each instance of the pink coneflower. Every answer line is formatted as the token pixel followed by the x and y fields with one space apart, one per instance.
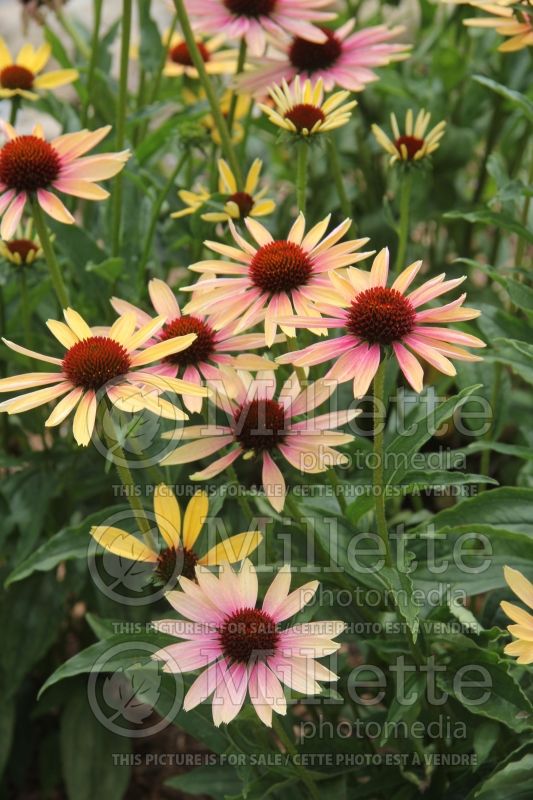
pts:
pixel 345 59
pixel 98 363
pixel 274 278
pixel 376 317
pixel 245 649
pixel 210 351
pixel 31 167
pixel 255 20
pixel 259 425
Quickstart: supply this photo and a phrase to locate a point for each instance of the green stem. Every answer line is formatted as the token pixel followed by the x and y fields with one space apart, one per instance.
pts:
pixel 159 75
pixel 48 250
pixel 403 233
pixel 15 106
pixel 336 485
pixel 279 730
pixel 155 215
pixel 379 457
pixel 233 103
pixel 484 464
pixel 118 457
pixel 292 346
pixel 207 86
pixel 521 246
pixel 301 175
pixel 91 69
pixel 25 307
pixel 71 31
pixel 120 131
pixel 242 499
pixel 339 182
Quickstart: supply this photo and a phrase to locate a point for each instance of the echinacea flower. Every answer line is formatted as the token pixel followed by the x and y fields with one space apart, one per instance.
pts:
pixel 273 278
pixel 217 61
pixel 376 317
pixel 20 77
pixel 245 649
pixel 24 249
pixel 178 556
pixel 237 204
pixel 211 350
pixel 345 59
pixel 95 365
pixel 301 108
pixel 261 424
pixel 256 20
pixel 522 647
pixel 31 167
pixel 414 144
pixel 508 18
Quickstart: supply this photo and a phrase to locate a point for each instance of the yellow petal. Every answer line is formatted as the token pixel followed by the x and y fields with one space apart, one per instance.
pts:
pixel 162 349
pixel 195 516
pixel 122 544
pixel 59 77
pixel 84 419
pixel 77 324
pixel 227 176
pixel 62 333
pixel 168 515
pixel 233 549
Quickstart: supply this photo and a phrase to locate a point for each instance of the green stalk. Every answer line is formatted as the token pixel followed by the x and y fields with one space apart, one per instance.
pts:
pixel 379 455
pixel 155 215
pixel 339 182
pixel 301 175
pixel 279 730
pixel 55 273
pixel 207 86
pixel 71 31
pixel 484 464
pixel 25 307
pixel 159 75
pixel 336 485
pixel 521 245
pixel 120 132
pixel 91 69
pixel 403 233
pixel 15 106
pixel 240 66
pixel 241 498
pixel 118 457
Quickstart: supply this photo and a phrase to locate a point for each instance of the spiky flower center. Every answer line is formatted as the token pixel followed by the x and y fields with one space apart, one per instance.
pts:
pixel 381 316
pixel 249 635
pixel 22 247
pixel 28 163
pixel 280 267
pixel 199 350
pixel 304 116
pixel 260 425
pixel 312 56
pixel 179 54
pixel 16 77
pixel 174 562
pixel 412 144
pixel 244 201
pixel 251 8
pixel 95 361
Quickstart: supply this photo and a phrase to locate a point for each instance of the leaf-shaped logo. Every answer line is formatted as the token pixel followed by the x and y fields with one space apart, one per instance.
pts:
pixel 133 693
pixel 134 575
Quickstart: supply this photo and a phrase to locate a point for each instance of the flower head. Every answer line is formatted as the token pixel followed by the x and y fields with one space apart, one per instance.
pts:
pixel 301 108
pixel 237 204
pixel 256 20
pixel 246 649
pixel 179 555
pixel 211 351
pixel 509 19
pixel 262 423
pixel 19 77
pixel 24 249
pixel 99 362
pixel 344 59
pixel 522 647
pixel 414 144
pixel 273 278
pixel 31 167
pixel 217 61
pixel 376 317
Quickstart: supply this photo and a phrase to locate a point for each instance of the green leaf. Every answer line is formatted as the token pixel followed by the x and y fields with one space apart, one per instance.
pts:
pixel 215 781
pixel 442 478
pixel 506 507
pixel 516 98
pixel 407 711
pixel 401 587
pixel 151 49
pixel 516 354
pixel 514 782
pixel 88 753
pixel 495 219
pixel 71 542
pixel 110 270
pixel 521 294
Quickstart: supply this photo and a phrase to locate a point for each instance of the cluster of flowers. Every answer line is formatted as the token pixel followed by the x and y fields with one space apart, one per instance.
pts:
pixel 254 298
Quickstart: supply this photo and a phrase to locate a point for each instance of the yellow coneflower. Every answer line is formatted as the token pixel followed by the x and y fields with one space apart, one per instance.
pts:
pixel 414 144
pixel 301 108
pixel 23 250
pixel 19 77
